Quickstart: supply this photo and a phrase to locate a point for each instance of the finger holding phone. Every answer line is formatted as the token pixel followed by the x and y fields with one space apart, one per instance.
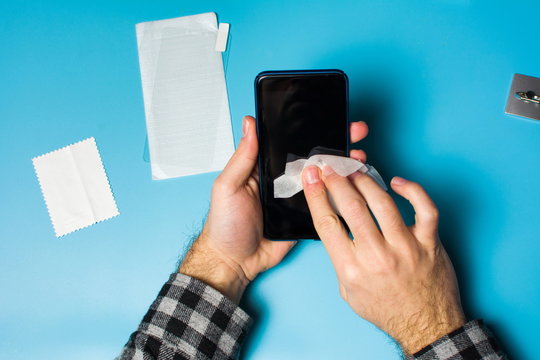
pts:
pixel 397 277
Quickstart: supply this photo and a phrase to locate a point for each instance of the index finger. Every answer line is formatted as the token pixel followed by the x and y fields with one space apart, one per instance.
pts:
pixel 330 229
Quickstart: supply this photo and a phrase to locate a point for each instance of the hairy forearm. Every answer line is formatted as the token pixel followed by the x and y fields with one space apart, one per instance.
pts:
pixel 415 338
pixel 427 325
pixel 205 264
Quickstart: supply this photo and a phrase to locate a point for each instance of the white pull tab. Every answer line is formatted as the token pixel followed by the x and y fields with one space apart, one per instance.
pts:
pixel 222 36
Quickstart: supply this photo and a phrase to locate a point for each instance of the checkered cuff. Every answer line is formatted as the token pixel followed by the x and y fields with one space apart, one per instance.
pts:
pixel 473 341
pixel 189 320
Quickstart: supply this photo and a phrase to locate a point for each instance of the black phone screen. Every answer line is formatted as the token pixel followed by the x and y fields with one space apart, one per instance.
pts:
pixel 296 112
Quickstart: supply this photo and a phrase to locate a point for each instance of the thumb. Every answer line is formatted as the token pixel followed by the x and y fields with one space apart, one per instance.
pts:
pixel 244 159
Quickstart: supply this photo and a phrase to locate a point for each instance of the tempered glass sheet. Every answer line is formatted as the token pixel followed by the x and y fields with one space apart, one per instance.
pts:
pixel 185 96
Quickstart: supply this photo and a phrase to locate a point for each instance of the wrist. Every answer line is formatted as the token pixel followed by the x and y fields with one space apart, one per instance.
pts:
pixel 207 265
pixel 422 331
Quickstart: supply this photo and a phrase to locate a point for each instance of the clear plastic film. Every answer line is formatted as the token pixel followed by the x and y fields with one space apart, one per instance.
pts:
pixel 185 96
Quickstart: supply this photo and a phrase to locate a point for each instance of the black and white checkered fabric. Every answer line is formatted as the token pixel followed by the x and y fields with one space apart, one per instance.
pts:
pixel 188 320
pixel 473 341
pixel 191 320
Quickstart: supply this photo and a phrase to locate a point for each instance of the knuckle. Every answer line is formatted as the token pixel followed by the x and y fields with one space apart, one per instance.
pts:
pixel 351 275
pixel 411 254
pixel 220 185
pixel 355 207
pixel 416 188
pixel 385 205
pixel 431 247
pixel 384 264
pixel 395 221
pixel 432 215
pixel 327 222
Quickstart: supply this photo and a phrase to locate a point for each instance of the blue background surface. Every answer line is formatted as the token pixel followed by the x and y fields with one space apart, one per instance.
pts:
pixel 431 79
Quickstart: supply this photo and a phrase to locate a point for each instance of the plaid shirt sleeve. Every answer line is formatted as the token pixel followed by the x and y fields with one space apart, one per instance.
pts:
pixel 188 320
pixel 472 341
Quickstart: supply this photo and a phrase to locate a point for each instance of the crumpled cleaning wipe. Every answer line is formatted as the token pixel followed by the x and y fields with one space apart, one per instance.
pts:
pixel 290 183
pixel 75 187
pixel 185 96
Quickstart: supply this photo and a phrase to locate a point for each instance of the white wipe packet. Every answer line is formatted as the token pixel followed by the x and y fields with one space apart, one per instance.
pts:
pixel 290 183
pixel 75 187
pixel 185 96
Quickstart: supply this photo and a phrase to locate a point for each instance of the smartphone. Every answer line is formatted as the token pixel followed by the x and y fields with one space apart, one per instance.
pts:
pixel 297 111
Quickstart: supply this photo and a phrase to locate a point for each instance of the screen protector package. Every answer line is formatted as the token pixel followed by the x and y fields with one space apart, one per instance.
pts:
pixel 185 96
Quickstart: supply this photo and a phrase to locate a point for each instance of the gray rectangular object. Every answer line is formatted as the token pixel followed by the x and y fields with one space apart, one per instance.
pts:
pixel 515 106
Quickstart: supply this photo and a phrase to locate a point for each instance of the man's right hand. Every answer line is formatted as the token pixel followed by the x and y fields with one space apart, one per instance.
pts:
pixel 398 278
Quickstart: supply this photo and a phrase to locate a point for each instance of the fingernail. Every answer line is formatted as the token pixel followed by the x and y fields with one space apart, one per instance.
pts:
pixel 312 175
pixel 245 127
pixel 398 180
pixel 327 170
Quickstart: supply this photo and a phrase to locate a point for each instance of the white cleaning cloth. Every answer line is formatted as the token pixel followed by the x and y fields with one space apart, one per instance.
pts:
pixel 75 187
pixel 185 98
pixel 290 183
